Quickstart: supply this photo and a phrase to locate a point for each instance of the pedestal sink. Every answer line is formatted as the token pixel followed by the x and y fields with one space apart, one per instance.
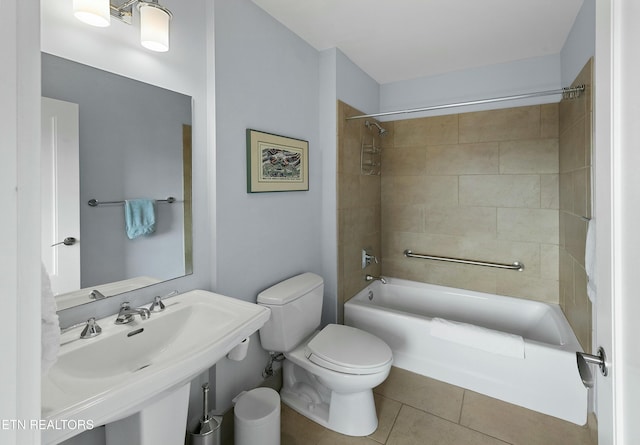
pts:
pixel 137 375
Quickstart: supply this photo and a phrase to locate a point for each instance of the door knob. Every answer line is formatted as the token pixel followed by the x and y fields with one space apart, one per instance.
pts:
pixel 68 241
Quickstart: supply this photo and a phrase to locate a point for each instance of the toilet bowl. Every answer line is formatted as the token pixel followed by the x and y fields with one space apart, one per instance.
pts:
pixel 328 374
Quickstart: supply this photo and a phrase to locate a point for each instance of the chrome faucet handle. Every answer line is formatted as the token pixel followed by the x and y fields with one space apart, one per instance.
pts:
pixel 124 316
pixel 92 329
pixel 143 312
pixel 157 305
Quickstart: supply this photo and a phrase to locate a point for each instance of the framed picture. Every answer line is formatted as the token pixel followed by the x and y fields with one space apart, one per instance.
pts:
pixel 276 163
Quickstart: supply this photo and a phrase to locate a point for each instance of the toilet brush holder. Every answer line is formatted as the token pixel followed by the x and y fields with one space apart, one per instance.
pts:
pixel 204 430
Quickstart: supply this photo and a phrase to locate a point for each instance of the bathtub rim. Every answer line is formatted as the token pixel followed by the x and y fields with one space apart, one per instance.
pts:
pixel 569 340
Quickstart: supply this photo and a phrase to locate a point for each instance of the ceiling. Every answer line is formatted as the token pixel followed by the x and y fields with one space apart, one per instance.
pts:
pixel 395 40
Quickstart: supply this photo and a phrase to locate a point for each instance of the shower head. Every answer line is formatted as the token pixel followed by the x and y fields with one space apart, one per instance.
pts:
pixel 381 131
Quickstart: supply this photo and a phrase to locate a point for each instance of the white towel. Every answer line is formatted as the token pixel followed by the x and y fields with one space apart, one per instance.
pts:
pixel 496 342
pixel 50 325
pixel 590 262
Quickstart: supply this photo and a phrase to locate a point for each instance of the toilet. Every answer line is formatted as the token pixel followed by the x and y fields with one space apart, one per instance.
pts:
pixel 328 374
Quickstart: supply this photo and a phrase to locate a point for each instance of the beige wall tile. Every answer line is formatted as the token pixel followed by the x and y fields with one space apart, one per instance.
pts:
pixel 500 125
pixel 572 141
pixel 517 425
pixel 500 190
pixel 436 190
pixel 426 131
pixel 405 218
pixel 575 235
pixel 532 288
pixel 529 156
pixel 405 269
pixel 549 124
pixel 348 190
pixel 567 288
pixel 581 191
pixel 461 276
pixel 474 222
pixel 369 190
pixel 423 393
pixel 463 159
pixel 404 190
pixel 582 319
pixel 549 261
pixel 408 161
pixel 566 192
pixel 532 225
pixel 549 191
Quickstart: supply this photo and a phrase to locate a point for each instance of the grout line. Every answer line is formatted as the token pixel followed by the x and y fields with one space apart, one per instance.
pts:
pixel 393 425
pixel 464 393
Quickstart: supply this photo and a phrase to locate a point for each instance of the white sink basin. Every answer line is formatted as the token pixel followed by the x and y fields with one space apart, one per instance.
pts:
pixel 119 372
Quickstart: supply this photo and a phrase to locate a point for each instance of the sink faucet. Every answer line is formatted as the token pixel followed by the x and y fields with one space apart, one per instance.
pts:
pixel 372 278
pixel 127 313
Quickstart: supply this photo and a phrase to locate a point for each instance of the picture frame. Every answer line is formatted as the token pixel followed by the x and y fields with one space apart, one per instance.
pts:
pixel 276 163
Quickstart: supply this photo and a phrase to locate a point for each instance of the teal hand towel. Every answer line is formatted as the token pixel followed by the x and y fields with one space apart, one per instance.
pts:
pixel 139 217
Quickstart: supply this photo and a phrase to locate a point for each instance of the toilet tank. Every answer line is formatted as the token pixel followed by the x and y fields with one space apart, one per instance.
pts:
pixel 296 308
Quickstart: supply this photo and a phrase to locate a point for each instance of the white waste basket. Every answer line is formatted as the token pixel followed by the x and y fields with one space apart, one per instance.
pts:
pixel 257 417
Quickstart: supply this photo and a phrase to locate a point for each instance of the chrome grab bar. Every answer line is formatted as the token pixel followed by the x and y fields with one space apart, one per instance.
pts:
pixel 517 265
pixel 95 203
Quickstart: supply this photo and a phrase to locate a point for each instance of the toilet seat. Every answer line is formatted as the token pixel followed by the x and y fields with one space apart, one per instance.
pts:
pixel 348 350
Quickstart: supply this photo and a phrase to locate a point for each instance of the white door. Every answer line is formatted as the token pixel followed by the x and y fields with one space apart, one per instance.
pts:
pixel 617 186
pixel 60 176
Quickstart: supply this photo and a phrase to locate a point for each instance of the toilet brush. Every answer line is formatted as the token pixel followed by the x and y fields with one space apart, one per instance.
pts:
pixel 205 422
pixel 203 430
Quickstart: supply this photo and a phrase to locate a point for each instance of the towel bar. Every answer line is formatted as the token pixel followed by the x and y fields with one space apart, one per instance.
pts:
pixel 94 203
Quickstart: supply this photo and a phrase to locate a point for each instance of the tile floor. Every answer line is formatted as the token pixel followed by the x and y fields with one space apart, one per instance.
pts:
pixel 413 409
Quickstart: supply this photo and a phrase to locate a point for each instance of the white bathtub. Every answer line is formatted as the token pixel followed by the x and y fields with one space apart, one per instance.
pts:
pixel 546 380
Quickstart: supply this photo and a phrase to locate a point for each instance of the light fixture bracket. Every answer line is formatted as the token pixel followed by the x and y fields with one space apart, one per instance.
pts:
pixel 123 12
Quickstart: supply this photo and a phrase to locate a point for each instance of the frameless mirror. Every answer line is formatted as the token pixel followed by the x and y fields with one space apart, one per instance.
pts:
pixel 106 139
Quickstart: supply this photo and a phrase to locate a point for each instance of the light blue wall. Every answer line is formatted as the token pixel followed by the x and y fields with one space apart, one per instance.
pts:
pixel 340 79
pixel 580 44
pixel 355 87
pixel 327 133
pixel 506 79
pixel 267 79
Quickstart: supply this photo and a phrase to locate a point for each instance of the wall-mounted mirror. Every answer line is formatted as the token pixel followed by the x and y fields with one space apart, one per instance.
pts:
pixel 109 138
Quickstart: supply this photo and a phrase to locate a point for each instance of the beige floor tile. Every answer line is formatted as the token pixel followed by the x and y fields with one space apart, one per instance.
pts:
pixel 423 393
pixel 295 429
pixel 387 411
pixel 517 425
pixel 417 427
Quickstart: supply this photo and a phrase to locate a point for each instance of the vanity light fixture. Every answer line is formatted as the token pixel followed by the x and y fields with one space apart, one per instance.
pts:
pixel 154 18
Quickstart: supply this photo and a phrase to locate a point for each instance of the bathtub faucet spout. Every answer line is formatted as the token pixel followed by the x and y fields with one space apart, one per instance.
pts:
pixel 372 278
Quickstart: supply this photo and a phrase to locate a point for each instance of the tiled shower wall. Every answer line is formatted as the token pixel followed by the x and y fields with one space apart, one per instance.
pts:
pixel 575 205
pixel 499 186
pixel 480 186
pixel 358 205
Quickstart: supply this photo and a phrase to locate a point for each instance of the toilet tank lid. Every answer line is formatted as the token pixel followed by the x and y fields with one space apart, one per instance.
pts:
pixel 289 290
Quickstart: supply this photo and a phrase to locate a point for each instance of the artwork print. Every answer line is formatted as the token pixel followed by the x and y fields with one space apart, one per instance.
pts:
pixel 276 163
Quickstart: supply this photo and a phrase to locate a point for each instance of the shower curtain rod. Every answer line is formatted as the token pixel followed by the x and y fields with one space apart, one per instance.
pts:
pixel 567 93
